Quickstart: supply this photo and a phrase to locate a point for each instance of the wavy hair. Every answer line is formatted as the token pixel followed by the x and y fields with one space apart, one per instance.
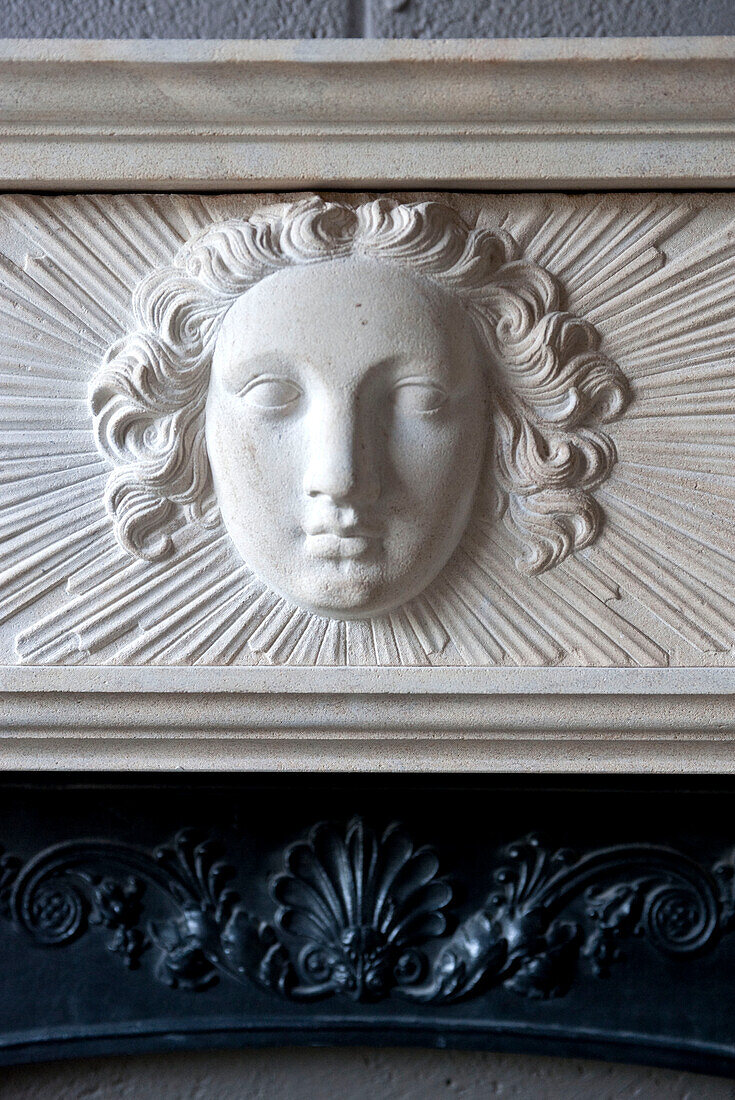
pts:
pixel 552 386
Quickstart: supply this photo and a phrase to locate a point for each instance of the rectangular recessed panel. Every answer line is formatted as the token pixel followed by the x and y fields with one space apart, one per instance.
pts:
pixel 368 430
pixel 445 478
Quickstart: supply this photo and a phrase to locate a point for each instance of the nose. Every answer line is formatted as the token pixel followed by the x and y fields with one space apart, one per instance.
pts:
pixel 342 461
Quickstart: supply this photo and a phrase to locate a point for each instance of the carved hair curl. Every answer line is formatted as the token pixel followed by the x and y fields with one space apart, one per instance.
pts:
pixel 552 387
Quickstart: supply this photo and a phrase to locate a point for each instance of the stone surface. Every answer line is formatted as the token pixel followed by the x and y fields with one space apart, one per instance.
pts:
pixel 336 719
pixel 357 1074
pixel 540 18
pixel 497 115
pixel 600 533
pixel 170 19
pixel 395 431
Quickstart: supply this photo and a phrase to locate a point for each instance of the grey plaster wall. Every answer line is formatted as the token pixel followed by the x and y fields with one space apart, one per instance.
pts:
pixel 361 18
pixel 352 1075
pixel 356 1074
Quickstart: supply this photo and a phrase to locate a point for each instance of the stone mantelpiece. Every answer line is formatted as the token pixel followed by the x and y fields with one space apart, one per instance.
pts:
pixel 558 599
pixel 434 476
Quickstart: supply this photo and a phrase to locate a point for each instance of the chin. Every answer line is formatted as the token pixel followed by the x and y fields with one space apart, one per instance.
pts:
pixel 348 606
pixel 348 597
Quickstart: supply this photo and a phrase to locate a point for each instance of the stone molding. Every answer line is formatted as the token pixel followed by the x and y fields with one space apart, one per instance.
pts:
pixel 601 113
pixel 674 721
pixel 147 116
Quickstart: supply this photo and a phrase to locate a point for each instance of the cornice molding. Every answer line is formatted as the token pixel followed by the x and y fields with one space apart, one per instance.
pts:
pixel 673 721
pixel 461 114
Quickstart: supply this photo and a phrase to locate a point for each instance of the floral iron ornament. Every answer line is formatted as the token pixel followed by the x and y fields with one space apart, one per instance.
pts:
pixel 368 915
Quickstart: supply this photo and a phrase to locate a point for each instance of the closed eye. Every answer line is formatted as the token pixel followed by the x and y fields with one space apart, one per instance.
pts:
pixel 270 392
pixel 417 396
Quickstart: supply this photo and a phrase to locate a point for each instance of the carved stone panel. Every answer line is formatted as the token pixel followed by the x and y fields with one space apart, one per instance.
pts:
pixel 367 430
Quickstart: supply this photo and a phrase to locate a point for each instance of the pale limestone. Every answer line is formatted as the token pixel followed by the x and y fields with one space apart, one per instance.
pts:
pixel 448 431
pixel 517 650
pixel 649 585
pixel 538 113
pixel 357 390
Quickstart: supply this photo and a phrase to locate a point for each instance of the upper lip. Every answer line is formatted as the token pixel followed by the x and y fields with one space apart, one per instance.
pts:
pixel 338 532
pixel 341 523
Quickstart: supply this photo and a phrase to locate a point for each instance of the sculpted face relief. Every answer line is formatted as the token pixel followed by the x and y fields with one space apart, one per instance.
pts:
pixel 346 424
pixel 347 390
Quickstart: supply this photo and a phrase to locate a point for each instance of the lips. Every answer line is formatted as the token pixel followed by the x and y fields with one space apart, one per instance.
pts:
pixel 330 543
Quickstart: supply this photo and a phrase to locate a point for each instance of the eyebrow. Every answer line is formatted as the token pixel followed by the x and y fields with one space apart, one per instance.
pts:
pixel 241 368
pixel 261 360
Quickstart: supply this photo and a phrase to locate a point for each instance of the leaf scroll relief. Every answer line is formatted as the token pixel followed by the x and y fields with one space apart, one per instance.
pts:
pixel 367 915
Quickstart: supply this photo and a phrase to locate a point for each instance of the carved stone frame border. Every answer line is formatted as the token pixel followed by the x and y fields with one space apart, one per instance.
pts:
pixel 358 720
pixel 275 115
pixel 551 114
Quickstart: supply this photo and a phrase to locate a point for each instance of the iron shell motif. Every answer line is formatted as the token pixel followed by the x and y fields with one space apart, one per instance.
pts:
pixel 359 904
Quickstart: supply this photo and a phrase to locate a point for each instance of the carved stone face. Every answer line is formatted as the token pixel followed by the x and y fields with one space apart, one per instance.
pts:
pixel 346 427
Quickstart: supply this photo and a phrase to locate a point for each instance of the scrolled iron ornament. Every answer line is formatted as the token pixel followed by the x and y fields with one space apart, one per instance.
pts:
pixel 677 920
pixel 367 914
pixel 56 911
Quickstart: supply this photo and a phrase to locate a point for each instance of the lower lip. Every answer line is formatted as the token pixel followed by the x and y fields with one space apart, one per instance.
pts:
pixel 338 546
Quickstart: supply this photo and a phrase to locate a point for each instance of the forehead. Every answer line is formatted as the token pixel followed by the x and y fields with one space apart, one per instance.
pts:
pixel 371 309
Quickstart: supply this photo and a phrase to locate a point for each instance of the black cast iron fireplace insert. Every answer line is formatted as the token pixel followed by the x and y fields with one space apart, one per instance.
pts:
pixel 574 916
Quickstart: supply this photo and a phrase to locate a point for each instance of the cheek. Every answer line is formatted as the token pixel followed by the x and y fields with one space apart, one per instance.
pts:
pixel 249 455
pixel 230 448
pixel 437 462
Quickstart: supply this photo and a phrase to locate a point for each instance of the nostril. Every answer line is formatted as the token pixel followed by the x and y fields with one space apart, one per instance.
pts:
pixel 338 496
pixel 334 480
